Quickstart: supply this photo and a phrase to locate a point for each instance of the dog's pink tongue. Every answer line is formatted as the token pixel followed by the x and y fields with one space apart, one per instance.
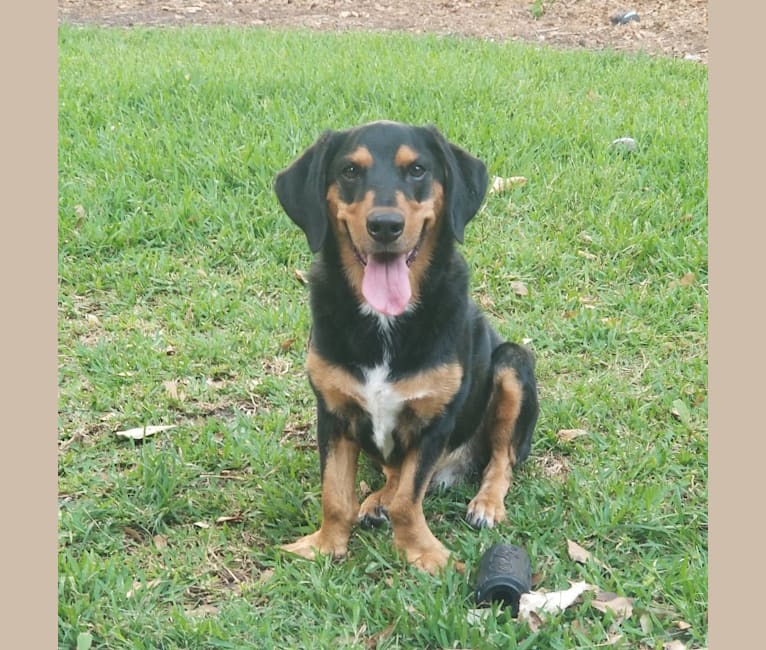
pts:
pixel 386 284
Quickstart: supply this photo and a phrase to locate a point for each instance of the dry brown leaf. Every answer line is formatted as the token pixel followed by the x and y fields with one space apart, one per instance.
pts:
pixel 621 606
pixel 80 214
pixel 684 281
pixel 171 388
pixel 579 554
pixel 301 277
pixel 500 184
pixel 567 435
pixel 139 585
pixel 266 575
pixel 201 524
pixel 139 433
pixel 202 610
pixel 682 625
pixel 225 519
pixel 519 288
pixel 286 345
pixel 160 541
pixel 170 350
pixel 133 534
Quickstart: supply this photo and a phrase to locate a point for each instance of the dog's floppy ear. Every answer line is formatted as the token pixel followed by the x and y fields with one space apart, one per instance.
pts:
pixel 300 189
pixel 466 181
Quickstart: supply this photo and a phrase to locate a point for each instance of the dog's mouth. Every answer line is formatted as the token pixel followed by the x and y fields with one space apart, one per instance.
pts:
pixel 386 283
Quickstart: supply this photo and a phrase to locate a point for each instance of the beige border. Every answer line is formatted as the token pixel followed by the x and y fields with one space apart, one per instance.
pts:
pixel 737 241
pixel 28 269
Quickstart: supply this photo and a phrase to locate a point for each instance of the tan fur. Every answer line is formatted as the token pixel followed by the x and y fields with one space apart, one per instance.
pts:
pixel 339 504
pixel 405 156
pixel 361 156
pixel 382 498
pixel 496 479
pixel 412 536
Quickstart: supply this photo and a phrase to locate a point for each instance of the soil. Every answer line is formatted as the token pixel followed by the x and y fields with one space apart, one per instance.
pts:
pixel 677 28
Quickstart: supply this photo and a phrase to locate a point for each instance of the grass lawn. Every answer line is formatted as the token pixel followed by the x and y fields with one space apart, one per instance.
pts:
pixel 180 304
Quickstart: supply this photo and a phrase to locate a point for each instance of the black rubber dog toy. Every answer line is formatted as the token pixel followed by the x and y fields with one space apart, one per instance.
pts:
pixel 504 574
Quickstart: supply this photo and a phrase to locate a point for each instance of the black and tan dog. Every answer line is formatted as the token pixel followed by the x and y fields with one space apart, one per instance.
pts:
pixel 403 364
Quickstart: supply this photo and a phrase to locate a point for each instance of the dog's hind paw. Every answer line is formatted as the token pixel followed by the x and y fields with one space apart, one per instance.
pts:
pixel 374 518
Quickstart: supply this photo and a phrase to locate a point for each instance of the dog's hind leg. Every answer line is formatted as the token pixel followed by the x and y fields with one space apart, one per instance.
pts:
pixel 508 426
pixel 374 510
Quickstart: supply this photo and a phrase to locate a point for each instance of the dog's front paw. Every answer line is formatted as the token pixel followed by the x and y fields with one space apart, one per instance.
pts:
pixel 435 561
pixel 317 543
pixel 485 511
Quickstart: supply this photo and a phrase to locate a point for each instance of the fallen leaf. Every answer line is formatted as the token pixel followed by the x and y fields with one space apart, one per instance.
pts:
pixel 171 388
pixel 170 350
pixel 139 585
pixel 201 524
pixel 519 288
pixel 551 602
pixel 225 519
pixel 139 433
pixel 286 345
pixel 684 281
pixel 534 621
pixel 92 319
pixel 682 625
pixel 202 610
pixel 80 214
pixel 133 534
pixel 160 541
pixel 579 554
pixel 621 606
pixel 266 575
pixel 500 184
pixel 301 277
pixel 567 435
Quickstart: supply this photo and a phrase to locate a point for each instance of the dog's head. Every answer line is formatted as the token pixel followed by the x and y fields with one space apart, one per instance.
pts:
pixel 384 191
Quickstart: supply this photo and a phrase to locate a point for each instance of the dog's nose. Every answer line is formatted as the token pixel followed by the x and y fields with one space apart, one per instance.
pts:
pixel 385 227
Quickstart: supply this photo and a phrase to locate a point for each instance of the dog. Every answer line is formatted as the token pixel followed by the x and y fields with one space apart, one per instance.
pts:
pixel 403 364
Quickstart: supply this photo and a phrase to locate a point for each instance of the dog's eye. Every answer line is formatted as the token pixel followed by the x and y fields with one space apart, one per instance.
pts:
pixel 350 172
pixel 416 171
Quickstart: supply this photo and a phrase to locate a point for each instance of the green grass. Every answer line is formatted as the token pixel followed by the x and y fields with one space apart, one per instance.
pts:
pixel 177 265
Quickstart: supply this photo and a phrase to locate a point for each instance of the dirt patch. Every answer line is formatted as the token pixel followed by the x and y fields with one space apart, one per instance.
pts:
pixel 677 28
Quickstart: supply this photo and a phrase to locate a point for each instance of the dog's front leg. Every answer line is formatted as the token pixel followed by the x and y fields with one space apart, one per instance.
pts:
pixel 338 460
pixel 412 536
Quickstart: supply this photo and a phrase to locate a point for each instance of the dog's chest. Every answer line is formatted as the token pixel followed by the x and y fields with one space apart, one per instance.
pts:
pixel 384 404
pixel 397 408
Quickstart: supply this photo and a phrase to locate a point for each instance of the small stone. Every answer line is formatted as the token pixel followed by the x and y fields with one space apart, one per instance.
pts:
pixel 625 17
pixel 625 144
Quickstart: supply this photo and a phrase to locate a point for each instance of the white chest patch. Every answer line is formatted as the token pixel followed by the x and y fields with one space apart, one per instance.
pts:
pixel 383 404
